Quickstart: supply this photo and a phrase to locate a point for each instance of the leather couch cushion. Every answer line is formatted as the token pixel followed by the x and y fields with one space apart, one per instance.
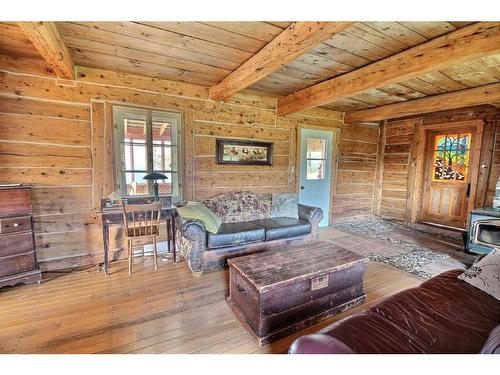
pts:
pixel 443 315
pixel 436 319
pixel 371 333
pixel 231 234
pixel 448 285
pixel 283 227
pixel 319 343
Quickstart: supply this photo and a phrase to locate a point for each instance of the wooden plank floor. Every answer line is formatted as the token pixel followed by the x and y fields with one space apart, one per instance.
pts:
pixel 163 311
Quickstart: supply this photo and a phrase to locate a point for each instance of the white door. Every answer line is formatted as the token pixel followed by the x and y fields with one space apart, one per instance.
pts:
pixel 316 170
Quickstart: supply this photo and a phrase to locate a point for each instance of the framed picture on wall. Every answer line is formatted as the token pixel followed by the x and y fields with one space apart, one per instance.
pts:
pixel 230 151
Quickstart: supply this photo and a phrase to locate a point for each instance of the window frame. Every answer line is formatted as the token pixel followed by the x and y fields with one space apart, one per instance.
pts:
pixel 119 112
pixel 320 159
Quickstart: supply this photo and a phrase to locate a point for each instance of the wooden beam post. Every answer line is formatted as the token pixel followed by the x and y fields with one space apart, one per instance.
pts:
pixel 292 42
pixel 379 169
pixel 48 42
pixel 474 41
pixel 458 99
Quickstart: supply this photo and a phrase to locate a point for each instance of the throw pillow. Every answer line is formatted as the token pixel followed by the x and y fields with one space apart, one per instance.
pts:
pixel 198 211
pixel 285 205
pixel 485 274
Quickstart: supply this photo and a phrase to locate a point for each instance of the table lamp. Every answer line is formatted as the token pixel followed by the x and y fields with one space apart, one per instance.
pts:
pixel 155 176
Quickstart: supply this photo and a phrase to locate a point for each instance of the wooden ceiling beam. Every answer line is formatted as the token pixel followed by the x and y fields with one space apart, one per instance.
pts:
pixel 474 41
pixel 48 42
pixel 292 42
pixel 458 99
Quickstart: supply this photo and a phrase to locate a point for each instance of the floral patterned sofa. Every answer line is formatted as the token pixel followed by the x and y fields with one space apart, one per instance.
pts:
pixel 248 226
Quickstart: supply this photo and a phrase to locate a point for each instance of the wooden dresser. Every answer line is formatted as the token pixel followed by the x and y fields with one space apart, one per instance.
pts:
pixel 18 263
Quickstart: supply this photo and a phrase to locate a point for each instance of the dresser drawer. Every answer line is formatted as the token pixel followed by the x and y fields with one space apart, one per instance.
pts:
pixel 17 243
pixel 16 264
pixel 15 202
pixel 15 224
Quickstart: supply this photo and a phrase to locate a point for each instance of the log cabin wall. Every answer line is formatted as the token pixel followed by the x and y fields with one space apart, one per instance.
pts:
pixel 356 169
pixel 56 135
pixel 396 145
pixel 399 145
pixel 495 166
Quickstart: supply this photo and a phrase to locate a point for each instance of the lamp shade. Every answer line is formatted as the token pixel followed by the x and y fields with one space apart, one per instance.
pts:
pixel 155 176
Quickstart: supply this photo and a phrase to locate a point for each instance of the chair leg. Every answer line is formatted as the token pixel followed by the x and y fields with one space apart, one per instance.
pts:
pixel 129 243
pixel 155 253
pixel 169 228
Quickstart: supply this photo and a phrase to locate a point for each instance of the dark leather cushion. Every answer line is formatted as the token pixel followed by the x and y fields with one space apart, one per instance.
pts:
pixel 371 333
pixel 319 343
pixel 438 320
pixel 449 286
pixel 443 315
pixel 283 227
pixel 231 234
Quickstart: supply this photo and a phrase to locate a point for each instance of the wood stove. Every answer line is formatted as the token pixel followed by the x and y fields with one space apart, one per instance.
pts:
pixel 484 230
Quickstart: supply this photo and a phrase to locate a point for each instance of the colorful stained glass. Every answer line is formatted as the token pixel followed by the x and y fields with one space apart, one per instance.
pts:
pixel 451 157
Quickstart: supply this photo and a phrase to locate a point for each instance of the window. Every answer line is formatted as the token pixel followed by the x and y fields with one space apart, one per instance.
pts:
pixel 147 141
pixel 451 157
pixel 316 158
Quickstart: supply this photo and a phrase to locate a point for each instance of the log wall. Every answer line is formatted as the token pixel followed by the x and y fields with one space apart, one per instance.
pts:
pixel 495 167
pixel 56 135
pixel 356 168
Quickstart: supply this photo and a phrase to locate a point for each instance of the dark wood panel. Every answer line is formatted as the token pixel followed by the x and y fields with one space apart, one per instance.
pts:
pixel 17 243
pixel 15 224
pixel 15 202
pixel 17 264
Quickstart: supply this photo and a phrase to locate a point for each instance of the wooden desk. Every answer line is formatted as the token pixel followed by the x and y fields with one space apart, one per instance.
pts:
pixel 114 215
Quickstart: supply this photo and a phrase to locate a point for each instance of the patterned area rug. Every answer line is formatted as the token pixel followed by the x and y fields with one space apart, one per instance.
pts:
pixel 412 257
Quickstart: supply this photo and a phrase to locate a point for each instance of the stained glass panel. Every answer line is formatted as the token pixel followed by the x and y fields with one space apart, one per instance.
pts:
pixel 451 157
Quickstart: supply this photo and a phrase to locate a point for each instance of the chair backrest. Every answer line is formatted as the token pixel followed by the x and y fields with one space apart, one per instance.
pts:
pixel 142 219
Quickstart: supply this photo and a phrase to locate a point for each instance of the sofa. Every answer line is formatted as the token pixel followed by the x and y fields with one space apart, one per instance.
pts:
pixel 247 226
pixel 442 315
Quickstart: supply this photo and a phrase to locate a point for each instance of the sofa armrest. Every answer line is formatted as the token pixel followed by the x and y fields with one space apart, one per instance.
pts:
pixel 319 343
pixel 310 213
pixel 190 228
pixel 191 241
pixel 313 215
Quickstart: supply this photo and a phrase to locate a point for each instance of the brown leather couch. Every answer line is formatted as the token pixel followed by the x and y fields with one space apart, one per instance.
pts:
pixel 443 315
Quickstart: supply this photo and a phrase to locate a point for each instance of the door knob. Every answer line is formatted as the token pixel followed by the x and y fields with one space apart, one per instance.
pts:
pixel 302 188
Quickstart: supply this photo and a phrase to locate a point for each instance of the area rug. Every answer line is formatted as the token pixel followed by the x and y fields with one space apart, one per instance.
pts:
pixel 413 257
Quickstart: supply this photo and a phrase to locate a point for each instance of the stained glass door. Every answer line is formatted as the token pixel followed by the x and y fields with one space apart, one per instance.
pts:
pixel 447 186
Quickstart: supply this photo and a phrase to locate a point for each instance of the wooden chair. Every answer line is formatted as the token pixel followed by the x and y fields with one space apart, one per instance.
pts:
pixel 141 221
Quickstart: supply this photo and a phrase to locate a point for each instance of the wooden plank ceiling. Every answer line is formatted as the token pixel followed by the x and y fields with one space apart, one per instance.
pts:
pixel 205 53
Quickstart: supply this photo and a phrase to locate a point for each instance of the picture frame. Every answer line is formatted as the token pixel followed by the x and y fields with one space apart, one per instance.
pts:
pixel 244 152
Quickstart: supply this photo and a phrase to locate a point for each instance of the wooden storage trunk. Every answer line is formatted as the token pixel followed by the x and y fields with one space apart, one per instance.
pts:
pixel 281 291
